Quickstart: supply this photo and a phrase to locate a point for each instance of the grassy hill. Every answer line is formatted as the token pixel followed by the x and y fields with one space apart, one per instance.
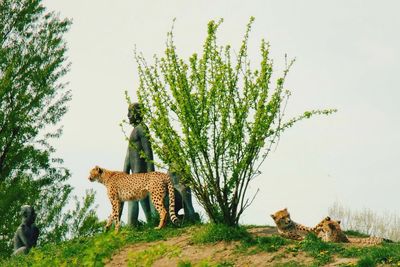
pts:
pixel 205 245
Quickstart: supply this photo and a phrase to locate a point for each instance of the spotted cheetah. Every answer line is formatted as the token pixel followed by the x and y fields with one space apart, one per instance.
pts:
pixel 123 187
pixel 288 228
pixel 329 230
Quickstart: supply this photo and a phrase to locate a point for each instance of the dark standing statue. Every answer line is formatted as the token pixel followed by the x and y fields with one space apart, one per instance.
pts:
pixel 139 159
pixel 27 233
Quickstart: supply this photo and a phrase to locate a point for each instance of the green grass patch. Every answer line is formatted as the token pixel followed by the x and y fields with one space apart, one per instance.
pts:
pixel 321 251
pixel 211 233
pixel 290 264
pixel 92 251
pixel 205 263
pixel 256 245
pixel 147 257
pixel 371 256
pixel 355 233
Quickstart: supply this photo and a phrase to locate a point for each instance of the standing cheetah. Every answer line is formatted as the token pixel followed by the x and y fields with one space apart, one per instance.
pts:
pixel 123 187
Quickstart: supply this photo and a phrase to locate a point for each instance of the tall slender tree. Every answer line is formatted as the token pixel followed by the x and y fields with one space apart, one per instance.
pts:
pixel 33 99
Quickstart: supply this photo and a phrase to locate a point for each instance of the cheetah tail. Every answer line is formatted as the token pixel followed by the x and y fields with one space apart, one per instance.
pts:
pixel 171 193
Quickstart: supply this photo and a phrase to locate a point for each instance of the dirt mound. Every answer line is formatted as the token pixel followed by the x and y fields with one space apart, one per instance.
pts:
pixel 180 250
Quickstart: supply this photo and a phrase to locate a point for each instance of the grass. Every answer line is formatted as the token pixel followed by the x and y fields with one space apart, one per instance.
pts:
pixel 94 251
pixel 321 251
pixel 206 263
pixel 371 256
pixel 149 256
pixel 256 245
pixel 355 233
pixel 211 233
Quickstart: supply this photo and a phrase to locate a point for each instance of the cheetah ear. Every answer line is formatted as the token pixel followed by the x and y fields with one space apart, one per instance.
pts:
pixel 338 222
pixel 327 218
pixel 100 170
pixel 273 217
pixel 285 209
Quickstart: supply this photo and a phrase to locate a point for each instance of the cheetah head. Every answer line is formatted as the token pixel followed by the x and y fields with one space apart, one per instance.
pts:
pixel 282 219
pixel 95 174
pixel 328 227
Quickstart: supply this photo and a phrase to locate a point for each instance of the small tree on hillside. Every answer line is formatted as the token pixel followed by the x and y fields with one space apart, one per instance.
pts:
pixel 215 119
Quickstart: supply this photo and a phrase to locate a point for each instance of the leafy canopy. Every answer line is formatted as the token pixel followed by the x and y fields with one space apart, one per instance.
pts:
pixel 33 100
pixel 213 119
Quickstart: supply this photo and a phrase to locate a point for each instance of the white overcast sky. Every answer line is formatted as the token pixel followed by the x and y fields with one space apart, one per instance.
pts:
pixel 347 56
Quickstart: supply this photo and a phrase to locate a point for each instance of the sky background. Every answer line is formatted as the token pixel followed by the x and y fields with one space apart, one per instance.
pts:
pixel 347 57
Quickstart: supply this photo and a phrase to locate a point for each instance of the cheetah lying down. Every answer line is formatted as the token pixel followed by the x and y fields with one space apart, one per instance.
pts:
pixel 329 230
pixel 288 228
pixel 123 187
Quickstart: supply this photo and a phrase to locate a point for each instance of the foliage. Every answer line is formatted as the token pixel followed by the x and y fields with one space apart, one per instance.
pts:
pixel 89 251
pixel 81 221
pixel 211 233
pixel 214 119
pixel 33 99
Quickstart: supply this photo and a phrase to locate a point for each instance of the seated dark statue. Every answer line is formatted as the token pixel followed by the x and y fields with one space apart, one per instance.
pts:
pixel 27 233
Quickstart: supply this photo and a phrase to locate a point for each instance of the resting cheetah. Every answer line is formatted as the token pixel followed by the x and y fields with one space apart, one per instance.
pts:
pixel 329 230
pixel 123 187
pixel 288 228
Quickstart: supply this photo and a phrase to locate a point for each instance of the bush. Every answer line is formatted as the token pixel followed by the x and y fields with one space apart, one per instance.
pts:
pixel 215 119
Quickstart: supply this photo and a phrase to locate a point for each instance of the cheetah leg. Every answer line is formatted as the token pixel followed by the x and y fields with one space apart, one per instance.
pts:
pixel 116 213
pixel 114 217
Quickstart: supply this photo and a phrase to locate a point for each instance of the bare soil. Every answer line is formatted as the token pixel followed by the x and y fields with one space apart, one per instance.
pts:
pixel 219 252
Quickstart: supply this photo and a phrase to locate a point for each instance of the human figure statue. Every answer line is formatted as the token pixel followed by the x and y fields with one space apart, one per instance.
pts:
pixel 138 159
pixel 27 233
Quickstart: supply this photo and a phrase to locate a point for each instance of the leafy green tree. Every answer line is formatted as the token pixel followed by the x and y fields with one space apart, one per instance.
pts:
pixel 33 99
pixel 215 119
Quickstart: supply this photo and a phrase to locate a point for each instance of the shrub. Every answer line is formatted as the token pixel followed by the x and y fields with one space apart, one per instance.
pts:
pixel 214 119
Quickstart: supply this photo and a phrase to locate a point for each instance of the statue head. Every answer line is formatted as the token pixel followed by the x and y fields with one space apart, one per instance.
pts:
pixel 28 214
pixel 135 113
